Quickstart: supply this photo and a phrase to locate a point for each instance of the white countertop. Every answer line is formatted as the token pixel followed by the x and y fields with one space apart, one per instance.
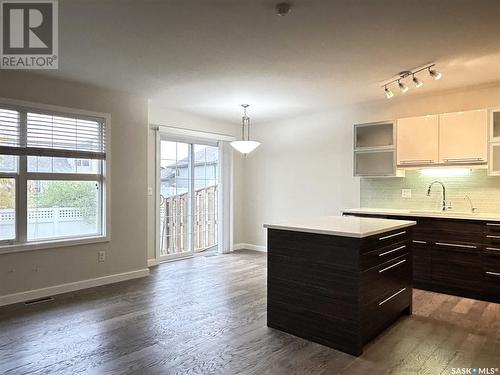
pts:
pixel 422 213
pixel 344 226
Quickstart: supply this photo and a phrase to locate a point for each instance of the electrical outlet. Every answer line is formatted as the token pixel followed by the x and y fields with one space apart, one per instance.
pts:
pixel 101 256
pixel 406 193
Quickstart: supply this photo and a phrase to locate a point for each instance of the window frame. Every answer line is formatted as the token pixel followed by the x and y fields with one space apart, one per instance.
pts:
pixel 22 176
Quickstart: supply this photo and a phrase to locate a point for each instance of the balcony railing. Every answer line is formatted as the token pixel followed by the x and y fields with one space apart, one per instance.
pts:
pixel 175 221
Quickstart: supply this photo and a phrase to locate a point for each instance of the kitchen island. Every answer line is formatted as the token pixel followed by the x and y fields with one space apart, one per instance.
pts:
pixel 338 281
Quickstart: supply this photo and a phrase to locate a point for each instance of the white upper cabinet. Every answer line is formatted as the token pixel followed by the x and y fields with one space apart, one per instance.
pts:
pixel 418 140
pixel 463 137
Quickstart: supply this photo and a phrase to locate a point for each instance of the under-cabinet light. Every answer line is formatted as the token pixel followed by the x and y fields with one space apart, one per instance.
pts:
pixel 445 172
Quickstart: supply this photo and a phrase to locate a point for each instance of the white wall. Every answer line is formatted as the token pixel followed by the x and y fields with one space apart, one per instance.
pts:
pixel 127 249
pixel 304 165
pixel 160 115
pixel 303 168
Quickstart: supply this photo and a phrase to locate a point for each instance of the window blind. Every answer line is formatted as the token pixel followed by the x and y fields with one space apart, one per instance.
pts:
pixel 9 128
pixel 36 133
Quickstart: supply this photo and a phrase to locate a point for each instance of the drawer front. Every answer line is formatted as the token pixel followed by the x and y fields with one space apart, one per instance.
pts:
pixel 384 254
pixel 456 268
pixel 381 313
pixel 458 231
pixel 492 240
pixel 492 228
pixel 381 281
pixel 491 274
pixel 384 240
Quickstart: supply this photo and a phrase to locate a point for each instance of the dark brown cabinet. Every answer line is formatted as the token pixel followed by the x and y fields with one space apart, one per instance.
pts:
pixel 338 291
pixel 455 256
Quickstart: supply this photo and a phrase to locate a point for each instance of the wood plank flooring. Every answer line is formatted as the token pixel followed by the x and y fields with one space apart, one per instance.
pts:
pixel 207 315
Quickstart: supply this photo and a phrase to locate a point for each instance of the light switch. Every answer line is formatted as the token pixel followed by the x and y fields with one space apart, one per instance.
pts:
pixel 406 193
pixel 150 191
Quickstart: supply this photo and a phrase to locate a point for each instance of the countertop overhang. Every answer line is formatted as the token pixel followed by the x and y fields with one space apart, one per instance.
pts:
pixel 423 213
pixel 344 226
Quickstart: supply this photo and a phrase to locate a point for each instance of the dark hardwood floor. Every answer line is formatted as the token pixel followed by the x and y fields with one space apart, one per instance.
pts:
pixel 208 315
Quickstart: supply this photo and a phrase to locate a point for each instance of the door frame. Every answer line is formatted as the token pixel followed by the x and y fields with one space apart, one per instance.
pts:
pixel 224 182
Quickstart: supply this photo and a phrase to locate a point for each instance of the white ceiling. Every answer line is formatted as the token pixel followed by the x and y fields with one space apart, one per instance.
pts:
pixel 208 56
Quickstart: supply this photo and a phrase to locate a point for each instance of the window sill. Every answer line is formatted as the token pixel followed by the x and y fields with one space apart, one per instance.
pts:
pixel 50 244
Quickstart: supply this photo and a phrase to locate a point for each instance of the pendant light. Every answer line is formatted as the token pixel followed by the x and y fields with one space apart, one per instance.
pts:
pixel 245 146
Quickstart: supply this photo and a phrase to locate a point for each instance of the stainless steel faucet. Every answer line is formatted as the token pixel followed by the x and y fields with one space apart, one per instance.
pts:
pixel 444 206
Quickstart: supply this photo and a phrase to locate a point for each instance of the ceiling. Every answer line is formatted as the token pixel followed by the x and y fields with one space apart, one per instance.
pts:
pixel 208 56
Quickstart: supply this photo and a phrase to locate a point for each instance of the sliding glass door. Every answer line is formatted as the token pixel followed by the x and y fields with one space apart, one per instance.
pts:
pixel 188 189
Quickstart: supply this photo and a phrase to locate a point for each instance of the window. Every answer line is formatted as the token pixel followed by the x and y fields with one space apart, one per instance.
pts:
pixel 52 175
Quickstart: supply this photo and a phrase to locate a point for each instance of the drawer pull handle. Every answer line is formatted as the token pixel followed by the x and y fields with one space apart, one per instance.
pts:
pixel 391 251
pixel 392 235
pixel 493 248
pixel 391 297
pixel 462 160
pixel 392 266
pixel 493 224
pixel 417 241
pixel 493 273
pixel 491 236
pixel 456 245
pixel 416 161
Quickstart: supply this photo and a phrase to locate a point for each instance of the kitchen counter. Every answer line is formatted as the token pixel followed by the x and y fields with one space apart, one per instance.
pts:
pixel 423 213
pixel 338 281
pixel 345 226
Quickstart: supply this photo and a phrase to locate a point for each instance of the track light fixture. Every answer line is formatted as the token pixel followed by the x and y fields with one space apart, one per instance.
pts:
pixel 418 83
pixel 402 87
pixel 435 74
pixel 388 93
pixel 407 73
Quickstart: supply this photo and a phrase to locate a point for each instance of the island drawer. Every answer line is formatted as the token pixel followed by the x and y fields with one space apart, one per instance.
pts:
pixel 384 239
pixel 377 282
pixel 382 312
pixel 383 254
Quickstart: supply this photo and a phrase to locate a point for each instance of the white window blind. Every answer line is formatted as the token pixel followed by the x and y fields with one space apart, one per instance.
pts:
pixel 9 128
pixel 32 133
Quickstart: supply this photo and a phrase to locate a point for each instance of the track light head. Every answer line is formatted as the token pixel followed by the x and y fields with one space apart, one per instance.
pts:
pixel 402 86
pixel 435 74
pixel 418 83
pixel 388 93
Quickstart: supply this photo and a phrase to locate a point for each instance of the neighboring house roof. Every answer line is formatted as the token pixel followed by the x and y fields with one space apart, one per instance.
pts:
pixel 209 155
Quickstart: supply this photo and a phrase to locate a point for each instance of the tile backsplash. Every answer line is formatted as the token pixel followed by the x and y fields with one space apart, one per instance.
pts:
pixel 386 192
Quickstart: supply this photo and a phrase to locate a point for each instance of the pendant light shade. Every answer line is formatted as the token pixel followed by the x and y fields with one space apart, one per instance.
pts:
pixel 245 145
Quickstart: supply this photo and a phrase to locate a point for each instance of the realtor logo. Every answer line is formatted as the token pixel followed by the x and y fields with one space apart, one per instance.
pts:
pixel 29 37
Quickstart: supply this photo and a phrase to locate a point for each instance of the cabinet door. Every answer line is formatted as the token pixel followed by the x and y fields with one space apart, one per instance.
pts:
pixel 463 137
pixel 417 140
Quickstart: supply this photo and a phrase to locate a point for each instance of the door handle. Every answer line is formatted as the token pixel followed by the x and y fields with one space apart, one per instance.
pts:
pixel 456 245
pixel 491 236
pixel 391 251
pixel 417 241
pixel 493 224
pixel 391 297
pixel 392 235
pixel 392 266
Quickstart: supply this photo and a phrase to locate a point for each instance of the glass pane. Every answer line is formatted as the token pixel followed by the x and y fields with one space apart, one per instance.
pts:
pixel 44 164
pixel 58 209
pixel 8 163
pixel 7 209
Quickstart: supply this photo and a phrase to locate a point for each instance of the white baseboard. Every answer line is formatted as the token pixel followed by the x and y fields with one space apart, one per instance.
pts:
pixel 153 262
pixel 71 287
pixel 249 246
